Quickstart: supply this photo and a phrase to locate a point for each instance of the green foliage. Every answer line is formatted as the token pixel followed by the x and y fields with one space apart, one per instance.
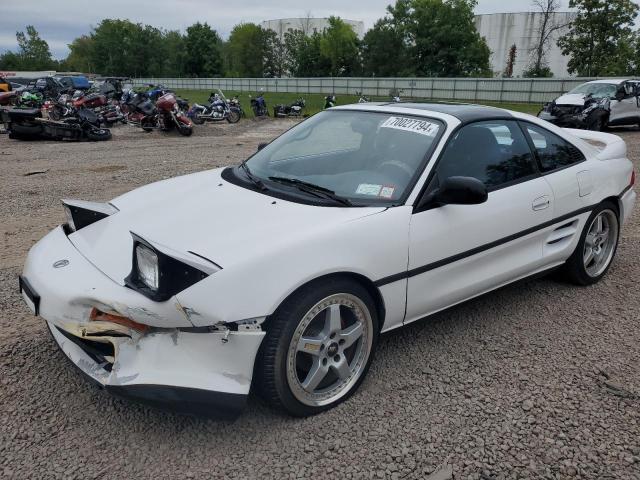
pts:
pixel 339 46
pixel 253 51
pixel 601 40
pixel 435 38
pixel 542 72
pixel 383 51
pixel 202 56
pixel 303 55
pixel 33 53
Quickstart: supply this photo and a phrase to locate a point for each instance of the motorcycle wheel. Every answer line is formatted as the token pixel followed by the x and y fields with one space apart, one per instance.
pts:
pixel 233 117
pixel 99 134
pixel 184 130
pixel 197 119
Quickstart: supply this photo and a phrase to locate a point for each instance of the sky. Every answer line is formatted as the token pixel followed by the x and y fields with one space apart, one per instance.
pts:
pixel 59 22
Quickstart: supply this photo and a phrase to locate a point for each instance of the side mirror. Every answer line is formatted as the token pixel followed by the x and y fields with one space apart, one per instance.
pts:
pixel 262 145
pixel 455 191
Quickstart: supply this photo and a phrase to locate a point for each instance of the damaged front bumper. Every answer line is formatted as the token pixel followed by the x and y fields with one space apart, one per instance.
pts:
pixel 204 371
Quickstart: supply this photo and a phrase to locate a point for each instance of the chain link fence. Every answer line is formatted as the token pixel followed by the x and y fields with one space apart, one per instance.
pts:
pixel 517 90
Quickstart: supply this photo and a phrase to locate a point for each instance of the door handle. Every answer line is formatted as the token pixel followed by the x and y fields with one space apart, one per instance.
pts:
pixel 541 203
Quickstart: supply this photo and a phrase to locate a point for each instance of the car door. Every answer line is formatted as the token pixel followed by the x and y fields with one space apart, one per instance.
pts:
pixel 460 251
pixel 566 170
pixel 626 110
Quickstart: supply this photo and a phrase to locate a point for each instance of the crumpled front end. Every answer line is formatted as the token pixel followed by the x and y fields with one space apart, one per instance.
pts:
pixel 583 114
pixel 135 347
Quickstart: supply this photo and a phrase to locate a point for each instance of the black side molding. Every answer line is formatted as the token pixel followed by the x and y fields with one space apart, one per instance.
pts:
pixel 474 251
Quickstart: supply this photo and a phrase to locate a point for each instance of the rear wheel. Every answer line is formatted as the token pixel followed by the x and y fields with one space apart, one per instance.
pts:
pixel 597 246
pixel 318 347
pixel 197 119
pixel 597 124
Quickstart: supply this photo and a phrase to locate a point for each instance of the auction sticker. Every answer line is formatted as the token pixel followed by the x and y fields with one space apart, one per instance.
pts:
pixel 368 189
pixel 423 127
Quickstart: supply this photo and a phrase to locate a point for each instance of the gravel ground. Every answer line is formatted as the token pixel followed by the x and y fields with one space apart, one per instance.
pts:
pixel 536 380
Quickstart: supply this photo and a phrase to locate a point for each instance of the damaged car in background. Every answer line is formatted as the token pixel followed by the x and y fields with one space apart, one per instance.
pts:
pixel 596 105
pixel 281 273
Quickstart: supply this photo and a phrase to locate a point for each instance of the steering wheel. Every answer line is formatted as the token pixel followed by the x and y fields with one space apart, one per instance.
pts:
pixel 396 169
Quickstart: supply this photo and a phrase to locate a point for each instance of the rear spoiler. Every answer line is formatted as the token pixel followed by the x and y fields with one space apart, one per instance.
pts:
pixel 609 146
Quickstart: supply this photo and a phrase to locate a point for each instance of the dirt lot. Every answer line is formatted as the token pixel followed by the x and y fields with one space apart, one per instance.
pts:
pixel 537 380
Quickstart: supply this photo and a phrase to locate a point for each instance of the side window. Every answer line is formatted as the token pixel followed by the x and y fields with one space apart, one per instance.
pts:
pixel 496 153
pixel 553 152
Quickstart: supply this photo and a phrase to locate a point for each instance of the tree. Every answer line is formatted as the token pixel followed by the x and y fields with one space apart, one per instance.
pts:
pixel 203 51
pixel 511 60
pixel 33 53
pixel 339 46
pixel 274 55
pixel 441 38
pixel 80 58
pixel 303 57
pixel 600 40
pixel 384 52
pixel 547 26
pixel 245 51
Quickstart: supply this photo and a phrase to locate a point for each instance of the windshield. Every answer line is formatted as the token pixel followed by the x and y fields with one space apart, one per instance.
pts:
pixel 597 90
pixel 364 157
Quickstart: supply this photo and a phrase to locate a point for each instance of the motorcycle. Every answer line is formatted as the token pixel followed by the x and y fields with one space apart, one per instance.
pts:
pixel 235 103
pixel 108 113
pixel 395 93
pixel 164 115
pixel 218 109
pixel 363 98
pixel 259 105
pixel 293 110
pixel 329 101
pixel 27 124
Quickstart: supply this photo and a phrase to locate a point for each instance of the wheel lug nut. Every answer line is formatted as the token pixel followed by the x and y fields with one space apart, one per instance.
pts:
pixel 333 335
pixel 341 342
pixel 336 358
pixel 324 361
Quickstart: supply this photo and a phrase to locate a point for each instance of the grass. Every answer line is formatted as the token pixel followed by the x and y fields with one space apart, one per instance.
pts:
pixel 315 101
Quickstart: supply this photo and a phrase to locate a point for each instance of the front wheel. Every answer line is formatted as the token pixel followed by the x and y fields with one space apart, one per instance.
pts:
pixel 99 134
pixel 318 347
pixel 185 130
pixel 233 116
pixel 597 246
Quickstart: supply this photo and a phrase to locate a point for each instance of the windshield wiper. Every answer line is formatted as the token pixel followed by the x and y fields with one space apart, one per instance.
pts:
pixel 255 180
pixel 313 189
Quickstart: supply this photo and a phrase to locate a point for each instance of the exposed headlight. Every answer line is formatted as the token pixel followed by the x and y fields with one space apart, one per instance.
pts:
pixel 147 263
pixel 160 273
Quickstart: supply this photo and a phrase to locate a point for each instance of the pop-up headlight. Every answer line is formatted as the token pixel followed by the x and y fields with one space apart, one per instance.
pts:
pixel 81 213
pixel 159 272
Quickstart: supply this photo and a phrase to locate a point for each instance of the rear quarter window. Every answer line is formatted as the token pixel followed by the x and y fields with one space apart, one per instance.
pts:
pixel 552 151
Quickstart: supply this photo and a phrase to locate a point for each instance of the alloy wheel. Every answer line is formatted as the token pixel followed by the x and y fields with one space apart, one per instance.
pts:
pixel 329 349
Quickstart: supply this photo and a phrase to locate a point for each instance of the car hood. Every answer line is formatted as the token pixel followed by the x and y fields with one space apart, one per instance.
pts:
pixel 206 215
pixel 571 99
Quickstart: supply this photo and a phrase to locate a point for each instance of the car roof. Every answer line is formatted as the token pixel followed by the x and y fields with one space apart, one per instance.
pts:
pixel 464 112
pixel 616 81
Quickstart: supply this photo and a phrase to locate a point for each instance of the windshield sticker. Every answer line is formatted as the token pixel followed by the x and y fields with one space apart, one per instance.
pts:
pixel 368 189
pixel 422 127
pixel 387 191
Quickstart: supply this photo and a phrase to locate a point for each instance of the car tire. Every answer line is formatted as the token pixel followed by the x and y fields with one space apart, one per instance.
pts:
pixel 338 318
pixel 597 246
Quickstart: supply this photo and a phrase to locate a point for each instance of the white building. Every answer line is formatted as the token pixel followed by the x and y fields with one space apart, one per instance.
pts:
pixel 501 30
pixel 307 25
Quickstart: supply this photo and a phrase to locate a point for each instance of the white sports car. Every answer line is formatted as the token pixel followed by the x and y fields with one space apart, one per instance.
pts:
pixel 282 272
